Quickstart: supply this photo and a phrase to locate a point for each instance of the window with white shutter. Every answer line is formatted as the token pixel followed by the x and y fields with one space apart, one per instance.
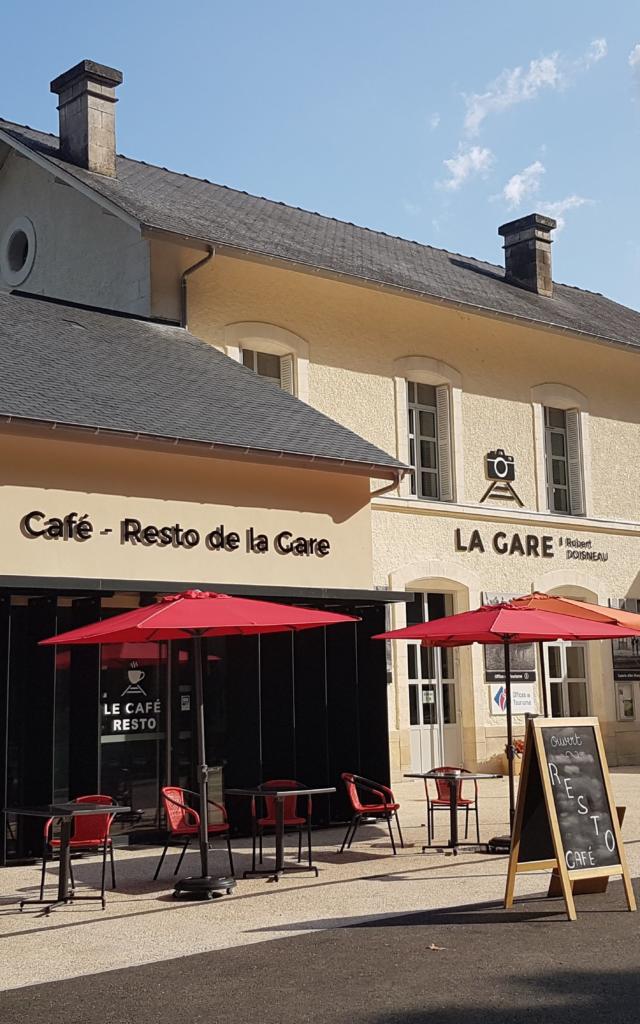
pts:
pixel 429 423
pixel 563 454
pixel 279 369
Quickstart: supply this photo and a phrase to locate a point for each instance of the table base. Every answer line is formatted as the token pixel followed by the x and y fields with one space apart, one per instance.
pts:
pixel 203 887
pixel 50 905
pixel 275 873
pixel 465 847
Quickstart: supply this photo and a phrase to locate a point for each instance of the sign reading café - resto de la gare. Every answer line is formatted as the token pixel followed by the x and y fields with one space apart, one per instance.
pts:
pixel 305 539
pixel 566 817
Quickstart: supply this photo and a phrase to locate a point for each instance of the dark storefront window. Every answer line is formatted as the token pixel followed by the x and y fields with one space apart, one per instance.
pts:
pixel 121 719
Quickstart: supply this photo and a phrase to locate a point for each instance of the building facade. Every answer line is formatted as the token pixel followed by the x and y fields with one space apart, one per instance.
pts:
pixel 513 400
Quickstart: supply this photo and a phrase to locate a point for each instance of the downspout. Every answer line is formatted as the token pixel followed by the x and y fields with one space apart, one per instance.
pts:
pixel 399 475
pixel 183 283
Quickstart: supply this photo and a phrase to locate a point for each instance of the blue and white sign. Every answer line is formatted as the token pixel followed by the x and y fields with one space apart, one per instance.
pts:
pixel 523 699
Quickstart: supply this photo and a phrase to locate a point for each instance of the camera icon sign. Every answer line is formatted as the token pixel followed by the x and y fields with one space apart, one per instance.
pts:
pixel 500 466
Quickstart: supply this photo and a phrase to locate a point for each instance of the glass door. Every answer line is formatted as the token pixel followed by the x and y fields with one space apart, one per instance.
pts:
pixel 133 723
pixel 433 720
pixel 567 677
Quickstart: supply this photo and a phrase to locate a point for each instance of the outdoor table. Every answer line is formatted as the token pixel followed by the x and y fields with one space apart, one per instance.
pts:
pixel 279 795
pixel 65 812
pixel 452 778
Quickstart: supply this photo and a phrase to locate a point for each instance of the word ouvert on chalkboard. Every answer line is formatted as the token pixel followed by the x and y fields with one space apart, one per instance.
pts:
pixel 566 817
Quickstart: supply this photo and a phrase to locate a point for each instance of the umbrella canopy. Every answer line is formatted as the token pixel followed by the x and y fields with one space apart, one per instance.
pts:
pixel 198 614
pixel 581 609
pixel 508 622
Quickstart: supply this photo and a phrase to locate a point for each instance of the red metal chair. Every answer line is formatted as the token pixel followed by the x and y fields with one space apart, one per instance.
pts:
pixel 443 801
pixel 90 835
pixel 379 803
pixel 292 820
pixel 184 821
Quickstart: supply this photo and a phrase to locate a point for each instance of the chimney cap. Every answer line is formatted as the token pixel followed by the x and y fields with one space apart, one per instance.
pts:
pixel 534 221
pixel 89 70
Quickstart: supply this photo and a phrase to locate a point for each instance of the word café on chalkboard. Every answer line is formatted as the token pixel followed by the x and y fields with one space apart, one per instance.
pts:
pixel 566 818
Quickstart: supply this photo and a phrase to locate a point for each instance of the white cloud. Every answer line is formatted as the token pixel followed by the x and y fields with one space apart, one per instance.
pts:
pixel 434 121
pixel 525 183
pixel 518 85
pixel 512 86
pixel 596 51
pixel 634 56
pixel 466 164
pixel 558 208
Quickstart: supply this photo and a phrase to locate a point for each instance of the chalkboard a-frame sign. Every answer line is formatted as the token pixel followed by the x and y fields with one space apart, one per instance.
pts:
pixel 566 817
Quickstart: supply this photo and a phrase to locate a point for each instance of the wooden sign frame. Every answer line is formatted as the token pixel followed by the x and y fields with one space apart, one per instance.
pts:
pixel 534 749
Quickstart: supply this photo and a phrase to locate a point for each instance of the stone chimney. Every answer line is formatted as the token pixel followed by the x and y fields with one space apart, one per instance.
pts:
pixel 527 253
pixel 87 116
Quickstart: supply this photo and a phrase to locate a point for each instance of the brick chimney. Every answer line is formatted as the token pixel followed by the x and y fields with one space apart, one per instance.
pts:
pixel 527 253
pixel 87 116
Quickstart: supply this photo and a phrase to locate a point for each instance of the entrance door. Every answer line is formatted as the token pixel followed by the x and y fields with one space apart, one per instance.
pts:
pixel 433 698
pixel 566 663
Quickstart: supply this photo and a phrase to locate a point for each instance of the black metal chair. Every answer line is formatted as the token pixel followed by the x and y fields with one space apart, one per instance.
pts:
pixel 383 805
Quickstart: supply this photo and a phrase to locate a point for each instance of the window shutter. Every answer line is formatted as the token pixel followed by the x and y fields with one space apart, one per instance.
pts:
pixel 574 461
pixel 445 467
pixel 286 374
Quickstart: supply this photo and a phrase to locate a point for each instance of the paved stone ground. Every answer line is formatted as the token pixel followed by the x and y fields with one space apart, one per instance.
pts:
pixel 156 947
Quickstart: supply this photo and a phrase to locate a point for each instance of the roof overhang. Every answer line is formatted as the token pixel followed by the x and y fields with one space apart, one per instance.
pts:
pixel 47 429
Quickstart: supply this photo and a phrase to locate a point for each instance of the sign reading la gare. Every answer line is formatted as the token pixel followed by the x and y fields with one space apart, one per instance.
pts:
pixel 529 545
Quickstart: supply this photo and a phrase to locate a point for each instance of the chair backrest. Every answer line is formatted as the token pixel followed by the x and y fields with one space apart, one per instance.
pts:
pixel 377 794
pixel 174 800
pixel 290 803
pixel 442 786
pixel 89 827
pixel 349 780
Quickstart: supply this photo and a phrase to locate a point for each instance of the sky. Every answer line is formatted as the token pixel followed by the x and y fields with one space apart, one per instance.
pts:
pixel 434 120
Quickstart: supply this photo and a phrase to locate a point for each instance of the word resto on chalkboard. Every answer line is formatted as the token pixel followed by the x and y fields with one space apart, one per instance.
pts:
pixel 566 818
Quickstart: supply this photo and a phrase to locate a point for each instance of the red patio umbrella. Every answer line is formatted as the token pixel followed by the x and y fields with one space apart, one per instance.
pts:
pixel 197 614
pixel 507 623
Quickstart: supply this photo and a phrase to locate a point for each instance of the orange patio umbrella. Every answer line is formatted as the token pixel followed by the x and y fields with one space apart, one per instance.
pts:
pixel 581 609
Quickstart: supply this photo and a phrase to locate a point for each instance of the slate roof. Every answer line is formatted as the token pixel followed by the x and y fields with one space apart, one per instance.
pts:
pixel 70 365
pixel 163 199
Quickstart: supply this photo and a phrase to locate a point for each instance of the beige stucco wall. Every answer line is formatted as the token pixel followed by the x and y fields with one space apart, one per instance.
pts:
pixel 109 484
pixel 354 337
pixel 83 253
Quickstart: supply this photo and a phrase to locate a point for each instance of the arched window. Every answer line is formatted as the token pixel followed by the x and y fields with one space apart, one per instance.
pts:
pixel 429 427
pixel 561 430
pixel 273 353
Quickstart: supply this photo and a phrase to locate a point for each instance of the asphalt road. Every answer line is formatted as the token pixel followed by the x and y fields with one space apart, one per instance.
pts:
pixel 475 964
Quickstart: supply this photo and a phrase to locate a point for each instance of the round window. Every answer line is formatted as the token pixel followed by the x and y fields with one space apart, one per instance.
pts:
pixel 17 251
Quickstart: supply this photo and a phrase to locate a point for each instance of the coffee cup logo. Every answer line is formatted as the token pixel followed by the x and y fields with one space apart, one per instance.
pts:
pixel 135 676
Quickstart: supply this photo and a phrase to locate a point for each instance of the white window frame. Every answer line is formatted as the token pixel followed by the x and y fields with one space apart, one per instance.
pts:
pixel 560 396
pixel 292 350
pixel 424 370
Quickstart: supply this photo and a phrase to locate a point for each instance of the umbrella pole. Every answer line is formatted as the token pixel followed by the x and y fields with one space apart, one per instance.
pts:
pixel 543 679
pixel 203 771
pixel 507 682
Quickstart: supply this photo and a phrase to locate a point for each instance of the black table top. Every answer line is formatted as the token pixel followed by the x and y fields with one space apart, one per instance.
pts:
pixel 453 775
pixel 279 793
pixel 66 810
